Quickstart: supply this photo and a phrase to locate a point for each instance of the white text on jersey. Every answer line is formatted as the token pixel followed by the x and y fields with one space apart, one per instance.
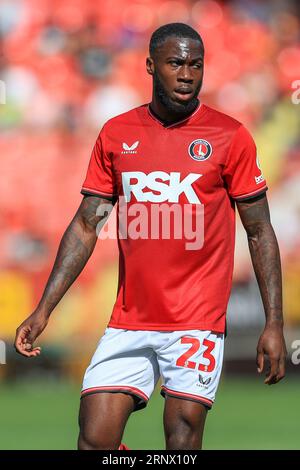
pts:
pixel 135 181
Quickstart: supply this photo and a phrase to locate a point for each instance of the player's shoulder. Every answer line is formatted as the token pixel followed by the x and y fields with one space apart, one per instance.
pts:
pixel 232 129
pixel 221 120
pixel 132 117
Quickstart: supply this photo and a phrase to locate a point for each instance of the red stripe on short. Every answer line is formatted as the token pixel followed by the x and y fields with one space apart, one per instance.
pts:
pixel 188 395
pixel 115 388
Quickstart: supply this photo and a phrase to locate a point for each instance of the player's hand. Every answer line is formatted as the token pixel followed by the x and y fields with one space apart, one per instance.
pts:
pixel 27 333
pixel 272 344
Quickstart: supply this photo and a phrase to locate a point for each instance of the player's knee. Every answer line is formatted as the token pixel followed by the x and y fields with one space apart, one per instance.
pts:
pixel 183 438
pixel 92 441
pixel 184 433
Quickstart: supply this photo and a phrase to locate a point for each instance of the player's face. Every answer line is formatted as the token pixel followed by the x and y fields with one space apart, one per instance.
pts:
pixel 177 70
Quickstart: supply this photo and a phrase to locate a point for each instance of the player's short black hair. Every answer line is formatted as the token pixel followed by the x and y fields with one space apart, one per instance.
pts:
pixel 179 30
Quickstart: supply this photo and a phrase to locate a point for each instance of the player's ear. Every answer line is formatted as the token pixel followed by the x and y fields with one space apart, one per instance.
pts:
pixel 150 65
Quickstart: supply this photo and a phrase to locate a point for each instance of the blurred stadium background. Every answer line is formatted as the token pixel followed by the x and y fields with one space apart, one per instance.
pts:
pixel 67 66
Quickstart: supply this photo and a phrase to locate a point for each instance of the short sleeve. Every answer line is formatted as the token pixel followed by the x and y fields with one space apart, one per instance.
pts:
pixel 99 179
pixel 242 174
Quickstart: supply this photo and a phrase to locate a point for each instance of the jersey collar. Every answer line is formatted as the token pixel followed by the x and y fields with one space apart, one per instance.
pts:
pixel 177 122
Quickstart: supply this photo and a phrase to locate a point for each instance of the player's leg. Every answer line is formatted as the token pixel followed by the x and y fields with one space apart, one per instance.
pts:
pixel 120 379
pixel 102 419
pixel 184 422
pixel 190 364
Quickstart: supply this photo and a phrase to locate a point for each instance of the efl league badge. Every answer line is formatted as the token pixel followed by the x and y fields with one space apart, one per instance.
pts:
pixel 200 150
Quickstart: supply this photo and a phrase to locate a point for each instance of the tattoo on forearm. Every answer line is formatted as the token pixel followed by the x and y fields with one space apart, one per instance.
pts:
pixel 265 255
pixel 75 248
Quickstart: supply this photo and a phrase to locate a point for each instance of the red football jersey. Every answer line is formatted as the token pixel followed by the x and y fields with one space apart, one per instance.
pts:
pixel 174 182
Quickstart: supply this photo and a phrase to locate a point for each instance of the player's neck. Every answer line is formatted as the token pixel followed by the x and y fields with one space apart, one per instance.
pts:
pixel 166 116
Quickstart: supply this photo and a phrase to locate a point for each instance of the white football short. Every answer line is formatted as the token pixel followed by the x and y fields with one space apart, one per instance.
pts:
pixel 129 361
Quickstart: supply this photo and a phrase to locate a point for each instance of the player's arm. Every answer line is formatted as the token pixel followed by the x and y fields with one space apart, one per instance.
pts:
pixel 265 257
pixel 76 246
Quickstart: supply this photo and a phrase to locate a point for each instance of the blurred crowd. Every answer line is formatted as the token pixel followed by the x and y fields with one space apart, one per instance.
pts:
pixel 67 66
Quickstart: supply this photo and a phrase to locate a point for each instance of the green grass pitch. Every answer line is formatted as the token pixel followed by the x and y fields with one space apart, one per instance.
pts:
pixel 247 415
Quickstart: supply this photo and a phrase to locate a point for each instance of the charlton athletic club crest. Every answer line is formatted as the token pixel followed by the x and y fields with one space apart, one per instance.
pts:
pixel 200 150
